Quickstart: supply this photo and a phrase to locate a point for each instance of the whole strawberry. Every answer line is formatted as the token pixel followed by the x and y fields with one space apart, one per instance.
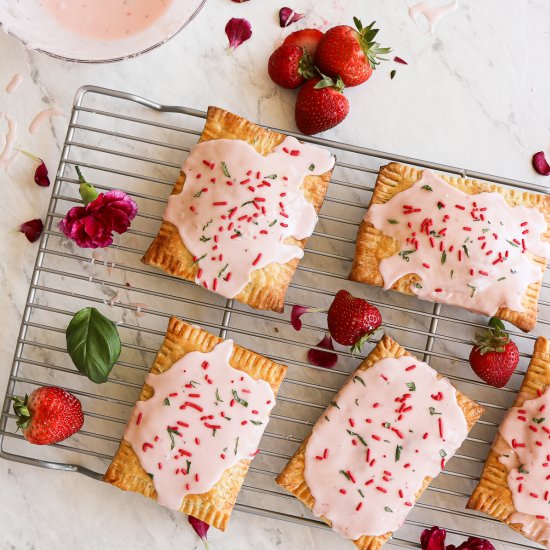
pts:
pixel 494 356
pixel 289 66
pixel 349 53
pixel 351 321
pixel 306 38
pixel 48 415
pixel 320 105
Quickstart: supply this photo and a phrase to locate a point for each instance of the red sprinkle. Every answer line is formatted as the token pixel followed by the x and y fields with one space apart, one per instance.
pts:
pixel 360 505
pixel 147 446
pixel 381 489
pixel 138 420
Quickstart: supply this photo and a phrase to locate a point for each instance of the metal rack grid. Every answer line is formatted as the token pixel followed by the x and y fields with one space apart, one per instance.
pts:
pixel 124 141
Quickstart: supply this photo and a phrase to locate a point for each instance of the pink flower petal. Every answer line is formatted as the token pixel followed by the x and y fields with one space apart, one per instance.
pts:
pixel 295 314
pixel 473 543
pixel 540 164
pixel 238 30
pixel 322 358
pixel 41 175
pixel 200 527
pixel 287 16
pixel 32 229
pixel 400 60
pixel 433 539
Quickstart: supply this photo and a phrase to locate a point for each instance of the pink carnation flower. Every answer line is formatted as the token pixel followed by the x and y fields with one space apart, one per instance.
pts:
pixel 92 226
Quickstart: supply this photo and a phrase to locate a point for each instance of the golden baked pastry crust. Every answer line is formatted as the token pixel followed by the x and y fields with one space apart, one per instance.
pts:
pixel 125 471
pixel 373 246
pixel 292 477
pixel 492 494
pixel 267 287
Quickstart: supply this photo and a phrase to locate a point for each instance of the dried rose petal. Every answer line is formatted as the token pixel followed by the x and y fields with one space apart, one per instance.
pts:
pixel 32 229
pixel 238 30
pixel 473 543
pixel 400 60
pixel 200 528
pixel 540 164
pixel 321 358
pixel 41 175
pixel 433 539
pixel 287 16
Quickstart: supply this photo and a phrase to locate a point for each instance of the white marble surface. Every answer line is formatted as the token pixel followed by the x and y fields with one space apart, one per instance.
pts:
pixel 475 94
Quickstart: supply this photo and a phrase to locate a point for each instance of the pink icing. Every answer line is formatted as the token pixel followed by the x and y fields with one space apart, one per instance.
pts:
pixel 524 446
pixel 106 19
pixel 432 13
pixel 203 418
pixel 472 251
pixel 388 428
pixel 238 208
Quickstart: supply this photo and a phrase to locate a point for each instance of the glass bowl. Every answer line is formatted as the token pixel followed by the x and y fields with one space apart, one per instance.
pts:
pixel 32 25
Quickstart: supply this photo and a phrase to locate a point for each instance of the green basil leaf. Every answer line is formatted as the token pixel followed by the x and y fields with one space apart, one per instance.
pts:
pixel 93 344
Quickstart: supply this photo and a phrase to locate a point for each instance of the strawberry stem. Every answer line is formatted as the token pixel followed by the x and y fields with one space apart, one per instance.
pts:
pixel 493 339
pixel 22 411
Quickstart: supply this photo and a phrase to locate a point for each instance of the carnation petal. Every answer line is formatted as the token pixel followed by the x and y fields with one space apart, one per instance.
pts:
pixel 200 527
pixel 238 30
pixel 540 164
pixel 433 539
pixel 321 358
pixel 287 16
pixel 32 229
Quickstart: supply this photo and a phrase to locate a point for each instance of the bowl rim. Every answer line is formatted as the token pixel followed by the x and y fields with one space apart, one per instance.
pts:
pixel 110 59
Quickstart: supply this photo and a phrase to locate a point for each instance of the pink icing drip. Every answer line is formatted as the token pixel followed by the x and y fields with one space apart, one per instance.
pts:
pixel 432 13
pixel 238 208
pixel 42 117
pixel 14 83
pixel 6 155
pixel 388 406
pixel 198 399
pixel 472 251
pixel 106 19
pixel 524 446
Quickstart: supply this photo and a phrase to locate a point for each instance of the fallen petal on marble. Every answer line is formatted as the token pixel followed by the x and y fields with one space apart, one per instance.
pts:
pixel 398 59
pixel 239 1
pixel 287 16
pixel 200 528
pixel 238 30
pixel 540 164
pixel 41 173
pixel 321 358
pixel 32 229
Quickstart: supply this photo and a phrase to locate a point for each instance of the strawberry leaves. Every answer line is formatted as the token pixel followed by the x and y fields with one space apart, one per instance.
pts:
pixel 93 344
pixel 372 49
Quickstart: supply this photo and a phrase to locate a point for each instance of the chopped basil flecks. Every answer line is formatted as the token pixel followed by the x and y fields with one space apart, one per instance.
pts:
pixel 311 167
pixel 398 451
pixel 433 411
pixel 166 402
pixel 238 399
pixel 359 437
pixel 225 170
pixel 392 221
pixel 427 188
pixel 359 379
pixel 411 386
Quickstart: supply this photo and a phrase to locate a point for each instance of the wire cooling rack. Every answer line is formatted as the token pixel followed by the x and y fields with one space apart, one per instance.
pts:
pixel 124 141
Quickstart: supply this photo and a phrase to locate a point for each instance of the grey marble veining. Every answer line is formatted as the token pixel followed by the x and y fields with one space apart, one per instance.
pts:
pixel 475 95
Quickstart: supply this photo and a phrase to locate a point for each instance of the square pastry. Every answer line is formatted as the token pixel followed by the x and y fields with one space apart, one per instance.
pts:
pixel 374 451
pixel 197 424
pixel 515 484
pixel 456 241
pixel 239 215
